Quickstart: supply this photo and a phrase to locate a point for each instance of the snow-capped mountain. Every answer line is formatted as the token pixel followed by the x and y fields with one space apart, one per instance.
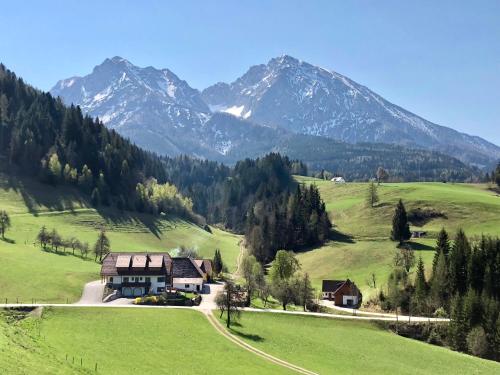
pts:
pixel 307 99
pixel 152 107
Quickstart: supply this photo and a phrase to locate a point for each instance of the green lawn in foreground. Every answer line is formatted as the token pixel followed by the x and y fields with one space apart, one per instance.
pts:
pixel 148 341
pixel 24 351
pixel 334 346
pixel 471 207
pixel 56 278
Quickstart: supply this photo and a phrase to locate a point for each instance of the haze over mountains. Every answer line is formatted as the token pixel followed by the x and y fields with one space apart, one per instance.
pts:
pixel 274 107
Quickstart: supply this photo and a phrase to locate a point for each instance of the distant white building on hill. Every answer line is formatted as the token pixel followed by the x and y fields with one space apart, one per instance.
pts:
pixel 338 180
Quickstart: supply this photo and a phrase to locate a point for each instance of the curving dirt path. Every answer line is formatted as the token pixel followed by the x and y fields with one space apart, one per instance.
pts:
pixel 235 340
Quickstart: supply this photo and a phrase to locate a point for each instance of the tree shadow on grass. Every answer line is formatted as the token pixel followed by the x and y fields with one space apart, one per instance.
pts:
pixel 247 336
pixel 341 237
pixel 8 240
pixel 419 246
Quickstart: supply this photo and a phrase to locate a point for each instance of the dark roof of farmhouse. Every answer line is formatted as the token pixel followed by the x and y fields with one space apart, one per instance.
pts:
pixel 185 268
pixel 121 263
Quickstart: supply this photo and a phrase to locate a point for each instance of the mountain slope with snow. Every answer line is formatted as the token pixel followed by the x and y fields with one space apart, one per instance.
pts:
pixel 306 99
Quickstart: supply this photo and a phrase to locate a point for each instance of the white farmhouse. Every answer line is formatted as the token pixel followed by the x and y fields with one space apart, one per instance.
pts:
pixel 138 274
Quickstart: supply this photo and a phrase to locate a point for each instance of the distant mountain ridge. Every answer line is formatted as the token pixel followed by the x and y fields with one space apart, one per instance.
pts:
pixel 162 113
pixel 307 99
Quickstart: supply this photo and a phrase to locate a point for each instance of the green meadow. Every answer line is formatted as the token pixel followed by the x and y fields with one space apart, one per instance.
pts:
pixel 27 272
pixel 364 247
pixel 121 342
pixel 335 346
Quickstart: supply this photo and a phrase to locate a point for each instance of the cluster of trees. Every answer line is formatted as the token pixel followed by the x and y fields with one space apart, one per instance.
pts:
pixel 155 198
pixel 52 240
pixel 289 221
pixel 60 145
pixel 494 177
pixel 464 284
pixel 285 284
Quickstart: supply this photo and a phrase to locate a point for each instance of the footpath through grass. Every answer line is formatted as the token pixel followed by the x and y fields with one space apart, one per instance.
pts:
pixel 366 248
pixel 334 346
pixel 27 273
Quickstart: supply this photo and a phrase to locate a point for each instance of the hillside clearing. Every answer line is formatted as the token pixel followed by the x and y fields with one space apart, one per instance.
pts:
pixel 366 247
pixel 333 346
pixel 60 277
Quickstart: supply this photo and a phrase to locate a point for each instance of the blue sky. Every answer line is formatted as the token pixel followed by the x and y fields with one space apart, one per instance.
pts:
pixel 440 60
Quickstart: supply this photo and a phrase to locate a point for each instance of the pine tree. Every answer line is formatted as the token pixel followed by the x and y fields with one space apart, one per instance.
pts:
pixel 420 287
pixel 5 223
pixel 400 227
pixel 95 197
pixel 440 282
pixel 458 260
pixel 442 245
pixel 218 265
pixel 458 328
pixel 497 175
pixel 372 195
pixel 306 291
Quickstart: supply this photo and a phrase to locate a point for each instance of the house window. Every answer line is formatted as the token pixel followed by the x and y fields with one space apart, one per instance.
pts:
pixel 148 279
pixel 186 286
pixel 111 279
pixel 125 279
pixel 161 279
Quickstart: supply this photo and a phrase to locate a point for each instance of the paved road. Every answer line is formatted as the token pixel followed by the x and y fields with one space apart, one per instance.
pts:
pixel 403 318
pixel 92 297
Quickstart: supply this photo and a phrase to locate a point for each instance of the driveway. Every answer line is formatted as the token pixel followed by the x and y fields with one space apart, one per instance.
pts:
pixel 208 296
pixel 92 293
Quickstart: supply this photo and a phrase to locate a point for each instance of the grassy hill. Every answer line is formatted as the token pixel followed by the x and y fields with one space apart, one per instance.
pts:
pixel 333 346
pixel 123 341
pixel 366 247
pixel 27 272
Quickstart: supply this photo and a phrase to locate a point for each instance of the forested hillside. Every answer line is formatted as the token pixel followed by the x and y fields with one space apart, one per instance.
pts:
pixel 41 137
pixel 57 144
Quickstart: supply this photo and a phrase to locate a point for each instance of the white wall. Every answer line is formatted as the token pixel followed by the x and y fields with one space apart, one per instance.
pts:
pixel 353 298
pixel 191 287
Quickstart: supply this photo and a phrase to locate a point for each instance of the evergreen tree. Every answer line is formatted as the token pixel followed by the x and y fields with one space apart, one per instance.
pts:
pixel 400 227
pixel 476 267
pixel 458 260
pixel 473 308
pixel 442 246
pixel 458 328
pixel 497 175
pixel 440 282
pixel 95 198
pixel 218 265
pixel 5 223
pixel 306 291
pixel 372 194
pixel 420 287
